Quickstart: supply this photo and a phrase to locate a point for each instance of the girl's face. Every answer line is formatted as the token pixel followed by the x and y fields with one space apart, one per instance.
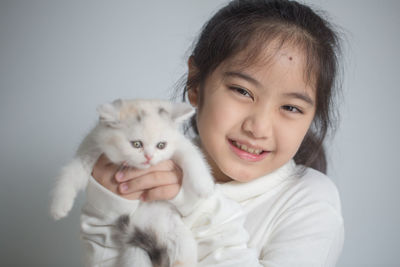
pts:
pixel 252 120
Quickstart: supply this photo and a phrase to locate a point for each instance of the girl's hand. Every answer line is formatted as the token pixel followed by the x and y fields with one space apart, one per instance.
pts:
pixel 159 182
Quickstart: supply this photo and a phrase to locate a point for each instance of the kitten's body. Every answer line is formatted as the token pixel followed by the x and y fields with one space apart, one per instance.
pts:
pixel 141 133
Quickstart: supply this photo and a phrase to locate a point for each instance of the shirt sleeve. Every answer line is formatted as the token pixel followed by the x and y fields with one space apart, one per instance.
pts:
pixel 301 238
pixel 217 224
pixel 309 230
pixel 99 213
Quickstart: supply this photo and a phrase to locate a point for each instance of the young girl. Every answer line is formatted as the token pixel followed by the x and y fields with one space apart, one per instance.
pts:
pixel 261 76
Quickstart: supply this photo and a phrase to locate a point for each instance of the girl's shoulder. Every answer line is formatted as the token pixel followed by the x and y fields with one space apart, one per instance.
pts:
pixel 313 186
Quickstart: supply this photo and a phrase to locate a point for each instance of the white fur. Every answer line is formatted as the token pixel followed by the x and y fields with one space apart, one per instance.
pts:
pixel 171 233
pixel 147 121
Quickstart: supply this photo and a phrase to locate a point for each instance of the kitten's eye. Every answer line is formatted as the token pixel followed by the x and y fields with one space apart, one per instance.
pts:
pixel 161 145
pixel 136 144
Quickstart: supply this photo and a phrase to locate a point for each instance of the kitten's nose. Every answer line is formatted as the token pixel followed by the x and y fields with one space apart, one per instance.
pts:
pixel 147 157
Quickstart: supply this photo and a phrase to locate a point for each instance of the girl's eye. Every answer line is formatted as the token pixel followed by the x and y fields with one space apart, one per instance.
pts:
pixel 292 109
pixel 137 144
pixel 241 91
pixel 161 145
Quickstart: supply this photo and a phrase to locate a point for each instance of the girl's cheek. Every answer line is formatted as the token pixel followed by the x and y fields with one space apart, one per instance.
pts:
pixel 289 138
pixel 217 111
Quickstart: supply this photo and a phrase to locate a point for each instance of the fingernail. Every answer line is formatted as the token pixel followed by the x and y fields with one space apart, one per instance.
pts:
pixel 142 197
pixel 123 187
pixel 119 176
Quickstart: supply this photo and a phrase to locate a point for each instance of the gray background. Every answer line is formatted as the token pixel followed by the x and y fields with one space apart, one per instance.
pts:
pixel 60 59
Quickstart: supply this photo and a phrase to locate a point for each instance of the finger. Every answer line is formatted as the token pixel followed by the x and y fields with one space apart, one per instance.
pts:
pixel 109 174
pixel 104 173
pixel 132 173
pixel 107 180
pixel 103 160
pixel 166 192
pixel 148 181
pixel 133 196
pixel 101 165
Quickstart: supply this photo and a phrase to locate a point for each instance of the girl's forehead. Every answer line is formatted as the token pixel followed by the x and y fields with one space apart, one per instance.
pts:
pixel 260 60
pixel 265 56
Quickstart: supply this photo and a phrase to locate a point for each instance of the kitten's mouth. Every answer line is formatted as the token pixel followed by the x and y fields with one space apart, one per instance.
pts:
pixel 146 162
pixel 254 151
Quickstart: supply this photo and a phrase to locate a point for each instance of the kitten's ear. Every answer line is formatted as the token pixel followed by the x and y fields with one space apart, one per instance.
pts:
pixel 181 112
pixel 109 113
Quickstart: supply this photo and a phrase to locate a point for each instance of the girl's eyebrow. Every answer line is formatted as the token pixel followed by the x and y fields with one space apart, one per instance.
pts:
pixel 243 76
pixel 302 96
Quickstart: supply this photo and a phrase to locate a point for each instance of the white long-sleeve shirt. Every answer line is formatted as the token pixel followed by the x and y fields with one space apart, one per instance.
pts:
pixel 280 219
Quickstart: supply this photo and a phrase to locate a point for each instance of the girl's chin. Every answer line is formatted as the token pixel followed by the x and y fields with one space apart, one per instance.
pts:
pixel 244 171
pixel 237 174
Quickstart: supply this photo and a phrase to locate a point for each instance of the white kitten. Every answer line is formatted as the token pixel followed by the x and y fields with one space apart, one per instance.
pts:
pixel 141 133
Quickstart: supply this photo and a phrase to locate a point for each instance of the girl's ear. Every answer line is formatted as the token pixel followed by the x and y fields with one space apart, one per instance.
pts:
pixel 109 113
pixel 193 96
pixel 192 92
pixel 181 112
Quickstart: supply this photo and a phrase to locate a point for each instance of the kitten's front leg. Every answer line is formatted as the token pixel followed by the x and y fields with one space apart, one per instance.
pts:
pixel 196 173
pixel 185 244
pixel 73 178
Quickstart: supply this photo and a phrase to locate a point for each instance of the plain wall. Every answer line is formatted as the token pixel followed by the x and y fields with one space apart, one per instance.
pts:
pixel 60 59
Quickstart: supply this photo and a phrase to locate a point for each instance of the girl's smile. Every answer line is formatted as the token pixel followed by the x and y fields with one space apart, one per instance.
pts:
pixel 247 152
pixel 252 120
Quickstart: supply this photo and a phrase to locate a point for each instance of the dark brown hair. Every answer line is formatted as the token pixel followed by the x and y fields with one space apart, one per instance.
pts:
pixel 250 25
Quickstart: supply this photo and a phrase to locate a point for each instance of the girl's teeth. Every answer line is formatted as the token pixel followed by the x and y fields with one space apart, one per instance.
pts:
pixel 245 148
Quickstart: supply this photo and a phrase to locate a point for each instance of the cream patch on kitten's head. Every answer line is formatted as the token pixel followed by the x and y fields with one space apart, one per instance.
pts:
pixel 140 132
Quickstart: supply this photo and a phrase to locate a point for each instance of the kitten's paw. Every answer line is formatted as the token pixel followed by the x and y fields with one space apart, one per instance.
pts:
pixel 205 188
pixel 206 192
pixel 60 209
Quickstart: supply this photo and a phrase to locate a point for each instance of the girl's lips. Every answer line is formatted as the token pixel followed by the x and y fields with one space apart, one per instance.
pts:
pixel 246 155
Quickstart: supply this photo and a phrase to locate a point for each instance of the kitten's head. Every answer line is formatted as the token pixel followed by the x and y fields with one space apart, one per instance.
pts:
pixel 140 132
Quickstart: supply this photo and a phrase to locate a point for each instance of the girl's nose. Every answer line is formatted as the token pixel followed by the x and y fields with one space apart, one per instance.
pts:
pixel 258 125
